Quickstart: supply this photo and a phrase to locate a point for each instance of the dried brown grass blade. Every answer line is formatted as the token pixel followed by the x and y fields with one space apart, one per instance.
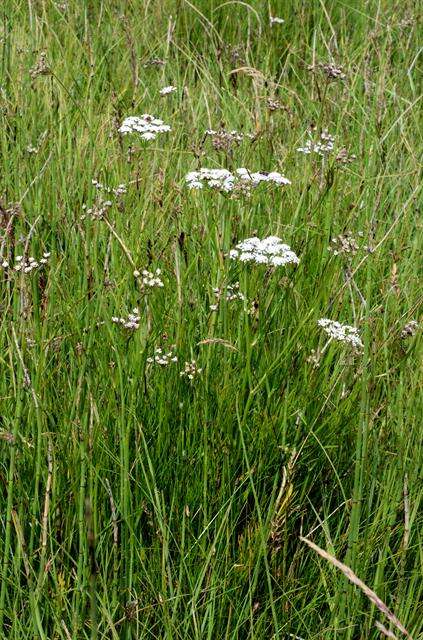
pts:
pixel 349 573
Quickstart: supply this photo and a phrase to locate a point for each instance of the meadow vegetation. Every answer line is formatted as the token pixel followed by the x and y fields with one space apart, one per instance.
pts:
pixel 180 423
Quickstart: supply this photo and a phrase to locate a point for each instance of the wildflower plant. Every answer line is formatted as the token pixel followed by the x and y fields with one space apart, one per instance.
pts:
pixel 270 251
pixel 147 127
pixel 321 145
pixel 191 370
pixel 163 358
pixel 166 91
pixel 131 322
pixel 149 280
pixel 226 181
pixel 341 332
pixel 26 265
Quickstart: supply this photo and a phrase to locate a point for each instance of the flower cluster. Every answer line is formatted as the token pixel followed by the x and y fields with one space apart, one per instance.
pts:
pixel 273 105
pixel 344 244
pixel 154 62
pixel 167 90
pixel 347 244
pixel 147 126
pixel 341 332
pixel 162 358
pixel 191 370
pixel 41 67
pixel 270 251
pixel 98 210
pixel 223 140
pixel 322 146
pixel 118 191
pixel 224 180
pixel 26 265
pixel 344 157
pixel 275 20
pixel 230 294
pixel 132 322
pixel 332 72
pixel 410 329
pixel 148 279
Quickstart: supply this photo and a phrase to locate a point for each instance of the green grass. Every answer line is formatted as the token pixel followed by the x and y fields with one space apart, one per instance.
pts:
pixel 133 502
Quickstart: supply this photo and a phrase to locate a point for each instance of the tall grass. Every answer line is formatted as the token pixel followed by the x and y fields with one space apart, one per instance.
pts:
pixel 136 503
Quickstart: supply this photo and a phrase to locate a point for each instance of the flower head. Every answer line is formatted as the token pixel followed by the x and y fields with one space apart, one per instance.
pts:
pixel 190 370
pixel 270 251
pixel 162 358
pixel 410 329
pixel 323 145
pixel 131 322
pixel 226 181
pixel 26 265
pixel 146 125
pixel 148 279
pixel 341 332
pixel 167 90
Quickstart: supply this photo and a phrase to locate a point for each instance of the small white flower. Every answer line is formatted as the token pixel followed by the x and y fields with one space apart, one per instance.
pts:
pixel 275 20
pixel 341 332
pixel 167 90
pixel 270 251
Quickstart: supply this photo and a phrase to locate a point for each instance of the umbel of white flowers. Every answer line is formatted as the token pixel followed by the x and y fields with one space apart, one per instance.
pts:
pixel 167 90
pixel 322 146
pixel 146 126
pixel 270 251
pixel 341 332
pixel 224 180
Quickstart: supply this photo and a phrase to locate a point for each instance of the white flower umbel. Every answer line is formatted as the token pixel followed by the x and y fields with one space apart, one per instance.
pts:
pixel 148 279
pixel 163 358
pixel 132 322
pixel 341 332
pixel 271 251
pixel 230 294
pixel 410 329
pixel 146 126
pixel 190 370
pixel 322 146
pixel 275 20
pixel 167 90
pixel 26 265
pixel 262 176
pixel 224 180
pixel 220 179
pixel 118 191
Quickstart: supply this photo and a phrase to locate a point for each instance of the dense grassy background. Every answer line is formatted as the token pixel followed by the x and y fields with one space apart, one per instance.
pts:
pixel 135 504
